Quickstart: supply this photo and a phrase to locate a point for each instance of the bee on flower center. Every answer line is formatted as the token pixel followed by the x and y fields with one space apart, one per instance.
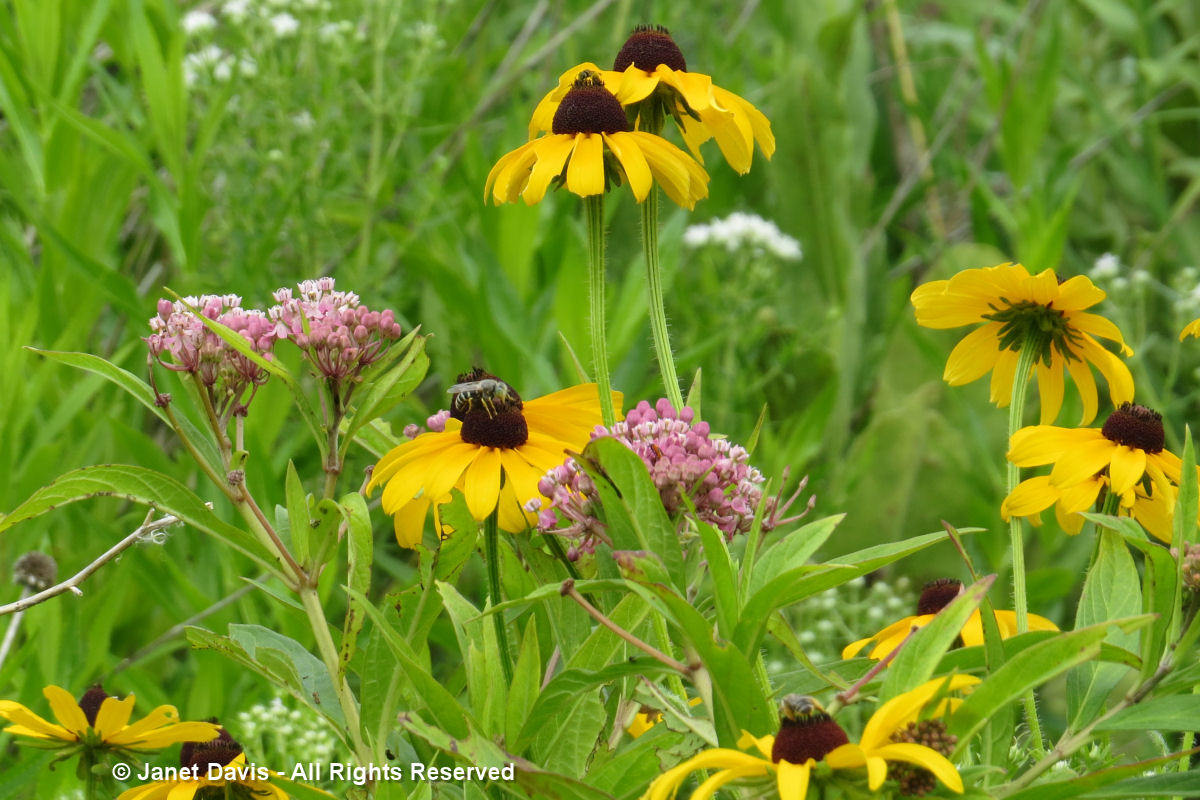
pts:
pixel 486 393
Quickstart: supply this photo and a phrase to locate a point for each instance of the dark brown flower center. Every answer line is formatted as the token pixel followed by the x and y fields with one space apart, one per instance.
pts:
pixel 219 751
pixel 916 781
pixel 489 409
pixel 91 701
pixel 1137 427
pixel 936 595
pixel 589 108
pixel 805 731
pixel 647 47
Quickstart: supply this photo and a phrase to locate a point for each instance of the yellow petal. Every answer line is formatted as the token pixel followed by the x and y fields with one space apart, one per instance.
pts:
pixel 482 483
pixel 1100 326
pixel 1080 496
pixel 585 170
pixel 637 171
pixel 1050 388
pixel 552 154
pixel 759 123
pixel 1002 378
pixel 113 716
pixel 765 744
pixel 66 710
pixel 636 84
pixel 974 356
pixel 1031 496
pixel 409 522
pixel 675 170
pixel 792 779
pixel 715 782
pixel 1191 329
pixel 27 723
pixel 1087 459
pixel 1120 381
pixel 1038 445
pixel 925 757
pixel 1086 384
pixel 1127 467
pixel 1078 293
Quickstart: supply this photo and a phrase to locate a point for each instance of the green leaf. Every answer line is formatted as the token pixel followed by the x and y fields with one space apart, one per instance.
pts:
pixel 307 676
pixel 632 504
pixel 917 660
pixel 386 391
pixel 523 692
pixel 299 791
pixel 443 706
pixel 1112 591
pixel 800 582
pixel 360 553
pixel 1177 713
pixel 143 486
pixel 1029 668
pixel 720 569
pixel 1063 790
pixel 297 511
pixel 1170 784
pixel 477 643
pixel 792 551
pixel 1160 595
pixel 454 552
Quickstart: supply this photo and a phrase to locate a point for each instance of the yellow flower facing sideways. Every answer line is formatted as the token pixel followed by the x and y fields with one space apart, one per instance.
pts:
pixel 1012 307
pixel 1126 457
pixel 589 145
pixel 495 448
pixel 935 596
pixel 650 77
pixel 101 722
pixel 808 735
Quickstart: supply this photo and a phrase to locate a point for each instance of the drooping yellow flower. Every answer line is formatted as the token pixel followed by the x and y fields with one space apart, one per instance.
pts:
pixel 650 77
pixel 1191 329
pixel 1015 307
pixel 808 735
pixel 209 766
pixel 935 596
pixel 495 449
pixel 1127 456
pixel 102 722
pixel 589 145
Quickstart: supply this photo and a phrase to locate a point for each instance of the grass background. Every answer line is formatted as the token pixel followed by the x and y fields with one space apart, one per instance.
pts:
pixel 914 139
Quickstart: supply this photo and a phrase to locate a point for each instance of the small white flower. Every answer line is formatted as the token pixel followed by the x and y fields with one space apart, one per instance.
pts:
pixel 1140 277
pixel 1106 266
pixel 696 236
pixel 196 21
pixel 284 25
pixel 236 10
pixel 303 120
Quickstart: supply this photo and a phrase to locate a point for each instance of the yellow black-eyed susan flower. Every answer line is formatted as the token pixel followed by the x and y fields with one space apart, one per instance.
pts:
pixel 935 596
pixel 650 78
pixel 808 735
pixel 1127 456
pixel 101 722
pixel 1013 307
pixel 591 146
pixel 495 448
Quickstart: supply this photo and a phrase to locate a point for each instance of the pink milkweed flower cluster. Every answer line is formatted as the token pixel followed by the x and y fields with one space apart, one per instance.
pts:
pixel 689 468
pixel 338 334
pixel 180 341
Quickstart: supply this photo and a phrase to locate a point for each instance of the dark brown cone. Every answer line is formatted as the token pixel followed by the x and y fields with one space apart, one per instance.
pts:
pixel 589 108
pixel 938 594
pixel 805 731
pixel 1136 426
pixel 219 751
pixel 91 701
pixel 647 47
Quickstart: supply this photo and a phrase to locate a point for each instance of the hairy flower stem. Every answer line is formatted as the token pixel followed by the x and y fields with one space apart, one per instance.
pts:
pixel 568 590
pixel 658 314
pixel 594 211
pixel 491 553
pixel 1016 412
pixel 329 656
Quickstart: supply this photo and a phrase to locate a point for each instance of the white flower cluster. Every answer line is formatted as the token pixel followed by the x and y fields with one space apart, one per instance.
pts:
pixel 834 618
pixel 212 61
pixel 741 231
pixel 292 734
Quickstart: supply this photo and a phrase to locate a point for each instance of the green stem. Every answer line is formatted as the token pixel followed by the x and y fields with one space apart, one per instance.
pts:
pixel 1016 412
pixel 658 314
pixel 491 552
pixel 594 210
pixel 664 644
pixel 329 655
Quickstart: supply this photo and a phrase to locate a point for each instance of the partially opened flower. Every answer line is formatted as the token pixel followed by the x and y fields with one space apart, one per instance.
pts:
pixel 808 736
pixel 935 596
pixel 214 769
pixel 1127 457
pixel 99 721
pixel 650 77
pixel 494 448
pixel 1013 308
pixel 591 146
